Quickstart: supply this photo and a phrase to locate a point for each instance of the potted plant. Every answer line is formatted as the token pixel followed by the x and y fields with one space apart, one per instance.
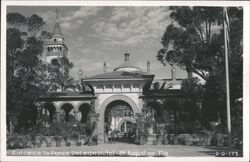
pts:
pixel 58 140
pixel 78 141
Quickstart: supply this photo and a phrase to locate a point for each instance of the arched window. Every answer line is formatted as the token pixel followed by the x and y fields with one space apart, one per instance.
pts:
pixel 55 62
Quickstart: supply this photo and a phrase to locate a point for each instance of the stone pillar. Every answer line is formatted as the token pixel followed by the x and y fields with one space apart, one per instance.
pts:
pixel 94 119
pixel 126 56
pixel 78 116
pixel 141 124
pixel 101 126
pixel 104 67
pixel 148 66
pixel 125 126
pixel 151 135
pixel 173 74
pixel 58 114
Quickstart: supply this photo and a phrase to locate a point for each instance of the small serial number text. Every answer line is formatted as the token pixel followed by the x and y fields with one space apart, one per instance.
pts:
pixel 227 154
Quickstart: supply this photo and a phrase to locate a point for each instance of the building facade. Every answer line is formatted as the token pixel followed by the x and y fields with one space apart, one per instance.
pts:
pixel 114 99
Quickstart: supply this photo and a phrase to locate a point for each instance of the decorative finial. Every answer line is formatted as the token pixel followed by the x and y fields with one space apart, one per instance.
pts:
pixel 126 56
pixel 104 67
pixel 173 73
pixel 80 74
pixel 57 13
pixel 148 66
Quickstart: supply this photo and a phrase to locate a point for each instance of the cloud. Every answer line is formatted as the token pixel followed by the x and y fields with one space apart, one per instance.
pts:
pixel 49 17
pixel 83 13
pixel 133 26
pixel 120 14
pixel 74 19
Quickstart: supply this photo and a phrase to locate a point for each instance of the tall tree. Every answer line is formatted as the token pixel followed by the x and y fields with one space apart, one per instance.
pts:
pixel 23 52
pixel 195 42
pixel 26 74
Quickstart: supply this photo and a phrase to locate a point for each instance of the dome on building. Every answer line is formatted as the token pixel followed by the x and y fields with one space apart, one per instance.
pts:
pixel 127 65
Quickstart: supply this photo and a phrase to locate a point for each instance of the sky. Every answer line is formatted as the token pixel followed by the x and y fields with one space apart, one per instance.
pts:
pixel 96 34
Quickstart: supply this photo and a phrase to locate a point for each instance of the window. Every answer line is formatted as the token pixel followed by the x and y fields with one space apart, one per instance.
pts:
pixel 136 88
pixel 55 62
pixel 126 88
pixel 108 88
pixel 99 88
pixel 117 88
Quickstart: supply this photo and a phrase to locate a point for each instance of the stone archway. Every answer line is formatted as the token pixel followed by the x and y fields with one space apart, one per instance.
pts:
pixel 55 62
pixel 67 107
pixel 126 120
pixel 52 110
pixel 127 125
pixel 84 109
pixel 103 107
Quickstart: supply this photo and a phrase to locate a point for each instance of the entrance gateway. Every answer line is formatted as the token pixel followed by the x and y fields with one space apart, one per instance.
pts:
pixel 117 113
pixel 118 98
pixel 117 119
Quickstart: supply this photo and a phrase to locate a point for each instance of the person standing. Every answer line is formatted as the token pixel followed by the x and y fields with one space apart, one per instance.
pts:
pixel 113 136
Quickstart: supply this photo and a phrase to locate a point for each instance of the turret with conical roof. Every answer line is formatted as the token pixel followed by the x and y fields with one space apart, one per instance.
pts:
pixel 57 32
pixel 55 47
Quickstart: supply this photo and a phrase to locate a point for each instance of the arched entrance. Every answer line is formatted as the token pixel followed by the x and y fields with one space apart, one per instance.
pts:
pixel 126 125
pixel 48 113
pixel 113 110
pixel 67 108
pixel 128 130
pixel 84 109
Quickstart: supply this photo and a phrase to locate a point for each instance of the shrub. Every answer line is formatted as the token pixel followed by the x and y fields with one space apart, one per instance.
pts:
pixel 17 141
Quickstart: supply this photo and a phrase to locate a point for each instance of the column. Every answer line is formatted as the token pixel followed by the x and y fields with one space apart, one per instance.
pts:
pixel 150 130
pixel 125 126
pixel 140 130
pixel 94 119
pixel 57 114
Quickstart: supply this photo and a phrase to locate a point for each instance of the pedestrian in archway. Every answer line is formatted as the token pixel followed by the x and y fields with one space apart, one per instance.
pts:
pixel 113 136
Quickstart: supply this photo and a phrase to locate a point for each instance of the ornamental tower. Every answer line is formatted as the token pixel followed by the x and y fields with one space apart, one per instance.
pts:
pixel 55 48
